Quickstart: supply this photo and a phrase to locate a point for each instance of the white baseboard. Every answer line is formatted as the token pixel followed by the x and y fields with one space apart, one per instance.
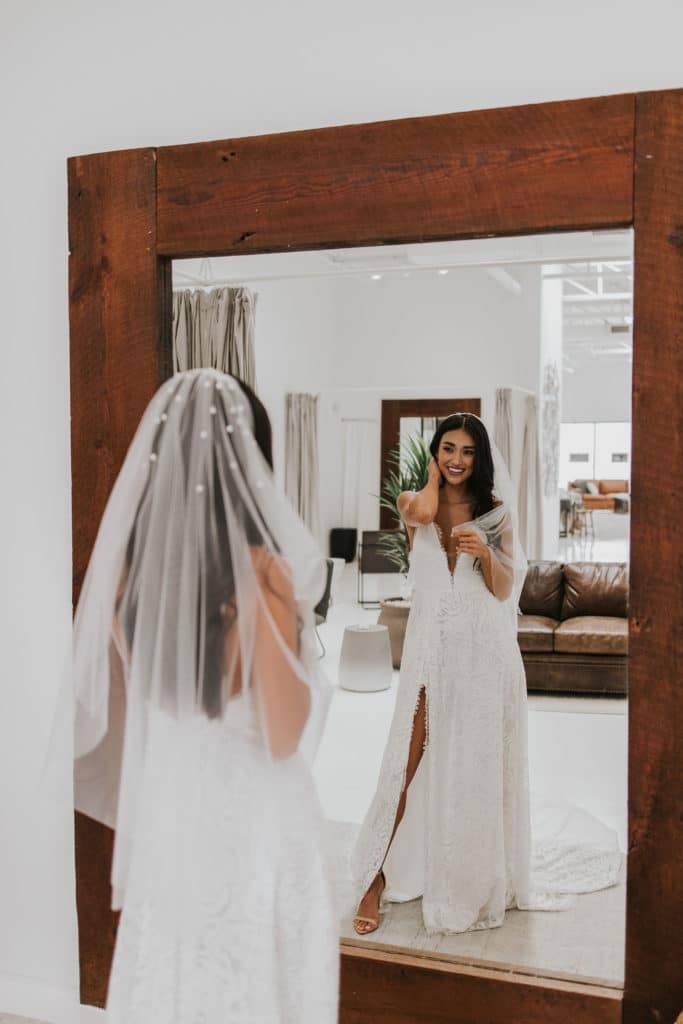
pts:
pixel 92 1015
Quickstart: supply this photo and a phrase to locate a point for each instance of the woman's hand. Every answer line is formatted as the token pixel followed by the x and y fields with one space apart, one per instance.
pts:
pixel 434 474
pixel 470 542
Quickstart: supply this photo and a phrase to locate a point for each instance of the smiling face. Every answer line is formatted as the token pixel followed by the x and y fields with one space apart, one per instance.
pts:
pixel 456 457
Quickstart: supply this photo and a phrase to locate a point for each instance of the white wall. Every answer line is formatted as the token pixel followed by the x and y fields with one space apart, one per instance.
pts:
pixel 79 77
pixel 295 348
pixel 599 391
pixel 356 341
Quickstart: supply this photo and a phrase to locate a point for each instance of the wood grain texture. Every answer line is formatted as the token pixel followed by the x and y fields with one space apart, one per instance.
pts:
pixel 514 170
pixel 392 411
pixel 119 301
pixel 383 988
pixel 654 928
pixel 116 288
pixel 97 922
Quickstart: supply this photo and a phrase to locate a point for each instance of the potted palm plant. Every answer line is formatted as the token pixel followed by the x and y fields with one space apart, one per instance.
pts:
pixel 410 463
pixel 409 472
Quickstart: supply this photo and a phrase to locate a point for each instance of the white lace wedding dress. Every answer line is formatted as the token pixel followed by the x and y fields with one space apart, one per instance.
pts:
pixel 229 913
pixel 464 843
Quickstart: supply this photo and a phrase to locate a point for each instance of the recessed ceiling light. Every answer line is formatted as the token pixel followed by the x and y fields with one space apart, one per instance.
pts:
pixel 442 271
pixel 376 277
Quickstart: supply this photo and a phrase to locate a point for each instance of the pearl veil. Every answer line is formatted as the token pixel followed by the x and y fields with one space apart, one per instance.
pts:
pixel 179 610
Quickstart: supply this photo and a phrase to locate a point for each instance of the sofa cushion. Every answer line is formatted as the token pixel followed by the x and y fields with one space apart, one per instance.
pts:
pixel 595 588
pixel 591 487
pixel 592 634
pixel 542 591
pixel 612 486
pixel 535 632
pixel 595 501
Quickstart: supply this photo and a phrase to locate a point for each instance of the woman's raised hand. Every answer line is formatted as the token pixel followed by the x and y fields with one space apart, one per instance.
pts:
pixel 434 474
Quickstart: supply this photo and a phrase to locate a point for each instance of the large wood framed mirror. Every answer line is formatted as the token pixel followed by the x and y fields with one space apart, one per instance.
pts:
pixel 604 172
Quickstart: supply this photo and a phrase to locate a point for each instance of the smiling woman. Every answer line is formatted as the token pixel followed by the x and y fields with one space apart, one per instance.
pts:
pixel 457 746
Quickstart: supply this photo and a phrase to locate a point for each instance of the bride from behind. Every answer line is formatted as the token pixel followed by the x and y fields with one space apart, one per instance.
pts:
pixel 199 705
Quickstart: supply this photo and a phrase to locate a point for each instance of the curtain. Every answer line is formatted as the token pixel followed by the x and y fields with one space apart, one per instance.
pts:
pixel 357 447
pixel 215 328
pixel 529 510
pixel 301 457
pixel 502 432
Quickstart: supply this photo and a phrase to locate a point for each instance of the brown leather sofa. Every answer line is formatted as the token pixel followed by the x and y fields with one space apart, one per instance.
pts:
pixel 606 498
pixel 573 630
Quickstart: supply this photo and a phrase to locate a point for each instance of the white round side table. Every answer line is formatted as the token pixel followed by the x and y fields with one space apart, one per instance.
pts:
pixel 365 660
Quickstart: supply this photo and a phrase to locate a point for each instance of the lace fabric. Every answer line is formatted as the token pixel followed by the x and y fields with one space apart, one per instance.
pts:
pixel 226 921
pixel 199 703
pixel 470 825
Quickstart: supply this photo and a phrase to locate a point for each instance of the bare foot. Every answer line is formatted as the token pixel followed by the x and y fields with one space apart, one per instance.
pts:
pixel 367 916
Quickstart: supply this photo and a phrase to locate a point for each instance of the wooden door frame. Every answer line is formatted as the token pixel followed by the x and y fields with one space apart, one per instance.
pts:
pixel 606 162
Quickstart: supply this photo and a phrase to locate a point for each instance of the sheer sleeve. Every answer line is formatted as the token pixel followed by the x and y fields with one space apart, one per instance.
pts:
pixel 117 632
pixel 501 545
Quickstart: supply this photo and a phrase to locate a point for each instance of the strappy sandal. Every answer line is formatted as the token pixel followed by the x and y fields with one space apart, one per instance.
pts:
pixel 371 920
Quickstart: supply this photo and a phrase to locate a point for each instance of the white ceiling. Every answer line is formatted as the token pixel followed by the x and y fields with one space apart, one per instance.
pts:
pixel 401 259
pixel 596 269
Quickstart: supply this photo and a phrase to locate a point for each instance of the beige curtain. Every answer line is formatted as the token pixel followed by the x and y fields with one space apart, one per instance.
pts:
pixel 301 457
pixel 502 431
pixel 215 328
pixel 529 510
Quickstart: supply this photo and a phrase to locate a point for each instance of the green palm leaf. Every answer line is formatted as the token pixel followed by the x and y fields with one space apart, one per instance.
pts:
pixel 410 464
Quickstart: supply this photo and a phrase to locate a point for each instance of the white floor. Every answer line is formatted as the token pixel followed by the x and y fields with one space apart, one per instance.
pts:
pixel 609 541
pixel 577 751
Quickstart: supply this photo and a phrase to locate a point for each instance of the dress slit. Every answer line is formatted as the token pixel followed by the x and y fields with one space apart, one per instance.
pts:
pixel 408 830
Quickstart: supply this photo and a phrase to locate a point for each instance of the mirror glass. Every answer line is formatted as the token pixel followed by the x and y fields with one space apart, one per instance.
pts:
pixel 442 735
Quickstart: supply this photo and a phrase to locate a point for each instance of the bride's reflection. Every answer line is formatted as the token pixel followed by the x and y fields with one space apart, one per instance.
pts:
pixel 452 798
pixel 450 820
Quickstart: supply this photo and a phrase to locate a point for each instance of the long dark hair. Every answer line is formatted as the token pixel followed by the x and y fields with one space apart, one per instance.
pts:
pixel 481 481
pixel 218 583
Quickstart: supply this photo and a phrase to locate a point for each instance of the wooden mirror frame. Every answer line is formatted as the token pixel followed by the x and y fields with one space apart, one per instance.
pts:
pixel 600 163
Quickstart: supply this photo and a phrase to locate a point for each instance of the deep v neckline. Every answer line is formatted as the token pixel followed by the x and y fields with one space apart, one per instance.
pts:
pixel 439 540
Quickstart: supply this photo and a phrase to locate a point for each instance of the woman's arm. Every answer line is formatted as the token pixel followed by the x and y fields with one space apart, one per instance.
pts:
pixel 498 577
pixel 284 697
pixel 419 508
pixel 497 570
